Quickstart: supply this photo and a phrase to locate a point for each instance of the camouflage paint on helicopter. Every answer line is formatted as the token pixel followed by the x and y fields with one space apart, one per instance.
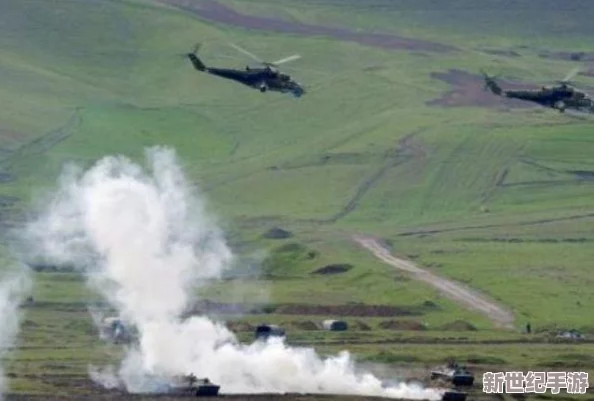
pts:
pixel 264 79
pixel 560 97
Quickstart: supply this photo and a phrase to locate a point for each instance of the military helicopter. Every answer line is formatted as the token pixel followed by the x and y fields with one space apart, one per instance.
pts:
pixel 559 97
pixel 264 79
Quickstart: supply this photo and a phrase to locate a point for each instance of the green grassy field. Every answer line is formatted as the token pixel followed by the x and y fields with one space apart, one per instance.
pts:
pixel 497 198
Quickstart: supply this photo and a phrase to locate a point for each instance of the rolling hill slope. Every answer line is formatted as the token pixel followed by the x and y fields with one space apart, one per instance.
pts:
pixel 395 139
pixel 369 148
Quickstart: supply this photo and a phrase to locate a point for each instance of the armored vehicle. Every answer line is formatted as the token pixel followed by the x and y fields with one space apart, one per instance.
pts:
pixel 454 396
pixel 190 385
pixel 459 375
pixel 462 377
pixel 264 331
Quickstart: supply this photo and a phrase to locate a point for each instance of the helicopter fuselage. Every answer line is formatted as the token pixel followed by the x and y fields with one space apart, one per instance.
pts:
pixel 545 96
pixel 558 97
pixel 263 79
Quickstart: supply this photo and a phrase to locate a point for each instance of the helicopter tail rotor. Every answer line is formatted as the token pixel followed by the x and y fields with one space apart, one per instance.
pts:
pixel 197 47
pixel 490 84
pixel 196 62
pixel 194 50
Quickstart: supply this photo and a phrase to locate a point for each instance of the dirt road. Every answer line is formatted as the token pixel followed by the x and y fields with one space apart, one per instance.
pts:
pixel 456 291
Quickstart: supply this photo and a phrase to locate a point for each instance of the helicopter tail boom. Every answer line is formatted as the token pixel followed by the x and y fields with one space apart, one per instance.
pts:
pixel 196 62
pixel 491 85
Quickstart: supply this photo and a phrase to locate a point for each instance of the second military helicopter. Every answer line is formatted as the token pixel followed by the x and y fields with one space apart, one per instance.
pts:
pixel 560 97
pixel 263 79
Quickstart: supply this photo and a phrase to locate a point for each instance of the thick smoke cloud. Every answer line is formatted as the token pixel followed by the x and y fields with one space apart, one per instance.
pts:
pixel 147 243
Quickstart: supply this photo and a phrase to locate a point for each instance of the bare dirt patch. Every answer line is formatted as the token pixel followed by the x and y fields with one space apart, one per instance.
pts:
pixel 334 269
pixel 469 91
pixel 214 11
pixel 502 52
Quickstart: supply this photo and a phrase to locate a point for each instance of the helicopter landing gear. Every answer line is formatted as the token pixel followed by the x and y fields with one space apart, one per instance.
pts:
pixel 560 106
pixel 263 88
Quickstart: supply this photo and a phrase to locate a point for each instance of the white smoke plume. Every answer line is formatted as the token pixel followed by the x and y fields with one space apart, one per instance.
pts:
pixel 11 291
pixel 147 243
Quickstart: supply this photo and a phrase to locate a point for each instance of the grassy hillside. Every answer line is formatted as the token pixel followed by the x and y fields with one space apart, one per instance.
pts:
pixel 389 141
pixel 544 24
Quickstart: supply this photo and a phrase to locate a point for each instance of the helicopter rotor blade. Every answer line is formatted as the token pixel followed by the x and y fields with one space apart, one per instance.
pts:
pixel 571 74
pixel 194 50
pixel 286 59
pixel 239 49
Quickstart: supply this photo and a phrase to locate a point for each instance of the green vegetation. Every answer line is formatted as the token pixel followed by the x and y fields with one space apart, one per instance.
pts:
pixel 497 198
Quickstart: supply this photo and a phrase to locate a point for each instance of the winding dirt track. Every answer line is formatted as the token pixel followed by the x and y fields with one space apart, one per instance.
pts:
pixel 456 291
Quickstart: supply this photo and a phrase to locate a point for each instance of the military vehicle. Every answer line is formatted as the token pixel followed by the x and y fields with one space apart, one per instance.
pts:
pixel 560 97
pixel 116 330
pixel 454 396
pixel 264 331
pixel 264 79
pixel 462 377
pixel 335 325
pixel 458 375
pixel 191 385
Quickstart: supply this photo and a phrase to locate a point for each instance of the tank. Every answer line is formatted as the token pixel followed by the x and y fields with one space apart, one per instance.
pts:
pixel 205 388
pixel 458 375
pixel 190 385
pixel 335 325
pixel 454 396
pixel 264 331
pixel 462 377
